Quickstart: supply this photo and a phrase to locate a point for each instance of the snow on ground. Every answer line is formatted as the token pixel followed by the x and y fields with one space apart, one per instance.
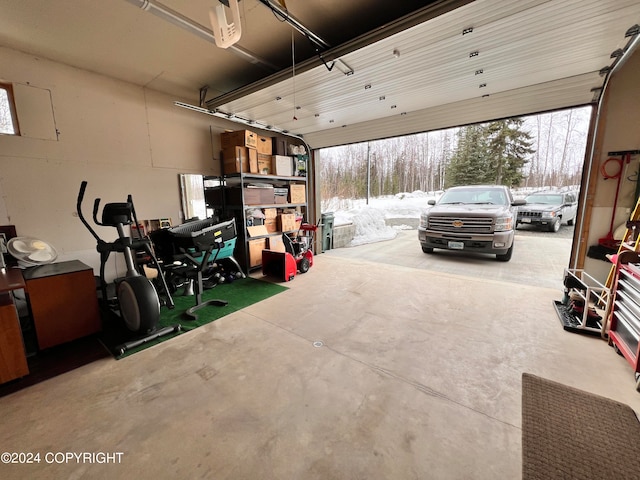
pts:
pixel 370 220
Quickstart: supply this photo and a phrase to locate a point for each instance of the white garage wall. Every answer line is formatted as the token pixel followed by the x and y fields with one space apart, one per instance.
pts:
pixel 119 137
pixel 618 130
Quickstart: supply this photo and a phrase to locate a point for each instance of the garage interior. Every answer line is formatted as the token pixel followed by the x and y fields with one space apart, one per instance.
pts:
pixel 359 369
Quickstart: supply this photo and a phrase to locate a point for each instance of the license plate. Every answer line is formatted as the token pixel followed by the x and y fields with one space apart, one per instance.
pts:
pixel 456 245
pixel 526 220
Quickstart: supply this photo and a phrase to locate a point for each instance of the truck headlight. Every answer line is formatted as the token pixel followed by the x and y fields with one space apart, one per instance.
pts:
pixel 504 224
pixel 424 220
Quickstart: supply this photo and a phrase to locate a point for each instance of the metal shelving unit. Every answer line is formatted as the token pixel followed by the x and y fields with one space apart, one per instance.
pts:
pixel 229 197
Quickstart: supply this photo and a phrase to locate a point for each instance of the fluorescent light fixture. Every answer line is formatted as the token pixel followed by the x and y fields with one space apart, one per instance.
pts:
pixel 343 67
pixel 232 117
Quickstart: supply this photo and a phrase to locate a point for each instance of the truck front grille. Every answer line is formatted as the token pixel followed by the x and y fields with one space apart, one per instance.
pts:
pixel 530 214
pixel 461 225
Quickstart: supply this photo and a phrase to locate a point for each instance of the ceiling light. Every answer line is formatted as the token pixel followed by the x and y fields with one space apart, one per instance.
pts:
pixel 396 53
pixel 617 53
pixel 467 30
pixel 343 67
pixel 394 106
pixel 478 72
pixel 161 11
pixel 367 87
pixel 278 99
pixel 474 54
pixel 381 97
pixel 482 85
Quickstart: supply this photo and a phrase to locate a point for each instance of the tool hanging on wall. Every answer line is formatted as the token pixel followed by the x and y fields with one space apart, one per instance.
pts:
pixel 609 241
pixel 629 240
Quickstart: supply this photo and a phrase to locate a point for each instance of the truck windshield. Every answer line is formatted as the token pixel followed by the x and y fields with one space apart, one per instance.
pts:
pixel 475 196
pixel 545 199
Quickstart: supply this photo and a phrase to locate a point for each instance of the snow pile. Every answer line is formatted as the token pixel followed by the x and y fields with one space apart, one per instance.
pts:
pixel 369 220
pixel 370 226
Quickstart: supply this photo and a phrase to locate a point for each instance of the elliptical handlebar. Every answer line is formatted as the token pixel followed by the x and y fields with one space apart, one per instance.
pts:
pixel 83 188
pixel 96 206
pixel 134 216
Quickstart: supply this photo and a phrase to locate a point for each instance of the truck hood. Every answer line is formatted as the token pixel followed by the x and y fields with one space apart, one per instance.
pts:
pixel 538 207
pixel 469 209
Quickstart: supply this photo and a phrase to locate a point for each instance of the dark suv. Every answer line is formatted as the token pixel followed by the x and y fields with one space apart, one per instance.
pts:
pixel 477 218
pixel 548 210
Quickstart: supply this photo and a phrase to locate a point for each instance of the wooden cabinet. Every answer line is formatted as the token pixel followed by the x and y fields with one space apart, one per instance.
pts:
pixel 63 302
pixel 13 361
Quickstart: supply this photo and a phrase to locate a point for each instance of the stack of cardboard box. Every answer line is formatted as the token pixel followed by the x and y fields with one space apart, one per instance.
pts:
pixel 244 151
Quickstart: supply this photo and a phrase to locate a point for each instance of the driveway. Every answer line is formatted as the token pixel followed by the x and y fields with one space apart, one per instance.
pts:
pixel 539 258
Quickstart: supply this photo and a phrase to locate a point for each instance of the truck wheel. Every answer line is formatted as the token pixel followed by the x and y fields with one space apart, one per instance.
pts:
pixel 505 257
pixel 427 249
pixel 555 226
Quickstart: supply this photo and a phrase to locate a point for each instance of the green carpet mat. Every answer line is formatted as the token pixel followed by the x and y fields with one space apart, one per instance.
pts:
pixel 239 294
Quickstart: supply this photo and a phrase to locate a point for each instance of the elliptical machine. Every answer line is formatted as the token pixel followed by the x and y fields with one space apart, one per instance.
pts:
pixel 138 300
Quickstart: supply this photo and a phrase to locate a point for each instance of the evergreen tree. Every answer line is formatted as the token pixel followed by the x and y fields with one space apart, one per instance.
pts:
pixel 469 164
pixel 492 153
pixel 508 149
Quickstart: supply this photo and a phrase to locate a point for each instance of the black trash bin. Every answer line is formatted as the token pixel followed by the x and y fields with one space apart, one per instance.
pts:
pixel 327 231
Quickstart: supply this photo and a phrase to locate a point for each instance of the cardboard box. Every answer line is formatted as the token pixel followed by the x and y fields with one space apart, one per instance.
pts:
pixel 239 138
pixel 255 251
pixel 271 224
pixel 257 231
pixel 264 164
pixel 282 165
pixel 258 196
pixel 239 159
pixel 276 244
pixel 270 212
pixel 287 222
pixel 297 193
pixel 264 145
pixel 253 161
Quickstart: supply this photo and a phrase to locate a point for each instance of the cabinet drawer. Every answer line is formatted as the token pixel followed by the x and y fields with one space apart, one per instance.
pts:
pixel 631 284
pixel 625 327
pixel 622 298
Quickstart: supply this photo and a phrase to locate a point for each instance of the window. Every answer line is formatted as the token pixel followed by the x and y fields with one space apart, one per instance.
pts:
pixel 8 119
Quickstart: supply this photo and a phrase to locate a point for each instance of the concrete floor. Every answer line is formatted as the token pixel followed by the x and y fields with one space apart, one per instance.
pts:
pixel 418 375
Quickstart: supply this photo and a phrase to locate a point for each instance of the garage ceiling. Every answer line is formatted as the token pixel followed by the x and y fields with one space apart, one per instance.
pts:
pixel 415 67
